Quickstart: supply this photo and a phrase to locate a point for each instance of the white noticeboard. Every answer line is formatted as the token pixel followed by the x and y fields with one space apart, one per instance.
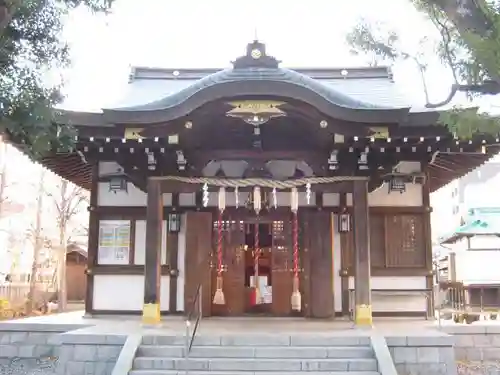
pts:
pixel 114 242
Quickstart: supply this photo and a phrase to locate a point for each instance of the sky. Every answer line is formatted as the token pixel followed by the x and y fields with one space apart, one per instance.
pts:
pixel 200 34
pixel 210 34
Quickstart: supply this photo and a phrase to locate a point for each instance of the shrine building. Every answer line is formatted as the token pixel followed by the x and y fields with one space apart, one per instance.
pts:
pixel 260 190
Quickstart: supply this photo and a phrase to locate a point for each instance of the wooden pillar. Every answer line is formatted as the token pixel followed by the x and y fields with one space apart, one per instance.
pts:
pixel 173 259
pixel 452 266
pixel 346 261
pixel 363 303
pixel 429 279
pixel 93 240
pixel 152 267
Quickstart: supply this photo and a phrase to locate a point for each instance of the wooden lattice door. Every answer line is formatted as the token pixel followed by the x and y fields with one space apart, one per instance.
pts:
pixel 197 260
pixel 282 267
pixel 233 258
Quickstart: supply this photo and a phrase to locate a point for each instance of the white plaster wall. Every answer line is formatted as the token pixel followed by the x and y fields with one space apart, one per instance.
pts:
pixel 331 199
pixel 125 292
pixel 397 301
pixel 140 242
pixel 108 167
pixel 133 197
pixel 380 197
pixel 412 197
pixel 478 266
pixel 483 242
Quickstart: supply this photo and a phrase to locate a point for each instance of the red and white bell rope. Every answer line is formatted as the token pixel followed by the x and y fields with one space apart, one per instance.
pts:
pixel 256 296
pixel 257 205
pixel 296 299
pixel 219 298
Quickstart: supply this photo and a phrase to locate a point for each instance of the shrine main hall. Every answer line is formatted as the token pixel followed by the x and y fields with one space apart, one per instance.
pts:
pixel 264 191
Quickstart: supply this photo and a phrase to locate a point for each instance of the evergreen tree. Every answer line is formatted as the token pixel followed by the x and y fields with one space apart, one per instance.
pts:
pixel 30 47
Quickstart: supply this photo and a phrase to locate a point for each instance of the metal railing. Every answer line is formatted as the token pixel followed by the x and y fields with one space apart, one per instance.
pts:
pixel 193 314
pixel 454 303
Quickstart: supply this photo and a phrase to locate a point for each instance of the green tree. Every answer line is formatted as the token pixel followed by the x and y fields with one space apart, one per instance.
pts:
pixel 462 46
pixel 471 31
pixel 30 48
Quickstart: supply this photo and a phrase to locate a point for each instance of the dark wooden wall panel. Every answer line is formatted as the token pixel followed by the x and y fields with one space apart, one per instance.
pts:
pixel 320 240
pixel 397 241
pixel 377 240
pixel 405 243
pixel 198 249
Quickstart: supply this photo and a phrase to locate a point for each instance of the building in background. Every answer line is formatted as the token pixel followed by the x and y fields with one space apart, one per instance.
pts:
pixel 472 257
pixel 451 203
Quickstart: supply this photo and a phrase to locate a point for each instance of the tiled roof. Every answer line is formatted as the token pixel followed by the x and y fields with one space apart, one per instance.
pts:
pixel 487 224
pixel 360 88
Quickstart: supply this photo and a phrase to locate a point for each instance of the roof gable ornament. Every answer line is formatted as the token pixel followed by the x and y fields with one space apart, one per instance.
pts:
pixel 256 57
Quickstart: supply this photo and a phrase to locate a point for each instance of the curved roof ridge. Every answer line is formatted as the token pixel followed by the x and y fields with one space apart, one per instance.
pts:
pixel 254 74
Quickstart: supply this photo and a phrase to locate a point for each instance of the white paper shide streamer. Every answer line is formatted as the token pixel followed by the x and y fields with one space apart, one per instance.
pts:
pixel 294 200
pixel 308 193
pixel 257 201
pixel 275 199
pixel 222 199
pixel 236 197
pixel 205 195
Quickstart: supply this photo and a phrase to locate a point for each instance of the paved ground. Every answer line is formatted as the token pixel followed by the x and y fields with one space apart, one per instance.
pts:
pixel 477 368
pixel 39 367
pixel 177 325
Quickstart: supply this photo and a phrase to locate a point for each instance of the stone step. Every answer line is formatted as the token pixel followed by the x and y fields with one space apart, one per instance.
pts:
pixel 260 340
pixel 256 364
pixel 305 352
pixel 177 372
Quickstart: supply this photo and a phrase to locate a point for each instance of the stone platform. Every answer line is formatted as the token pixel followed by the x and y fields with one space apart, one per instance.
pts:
pixel 92 346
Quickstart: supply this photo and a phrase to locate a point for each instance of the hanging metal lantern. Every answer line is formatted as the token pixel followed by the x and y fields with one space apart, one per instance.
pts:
pixel 397 184
pixel 174 222
pixel 344 222
pixel 118 181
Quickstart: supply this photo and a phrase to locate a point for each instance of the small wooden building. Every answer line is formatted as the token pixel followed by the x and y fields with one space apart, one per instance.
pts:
pixel 263 190
pixel 76 278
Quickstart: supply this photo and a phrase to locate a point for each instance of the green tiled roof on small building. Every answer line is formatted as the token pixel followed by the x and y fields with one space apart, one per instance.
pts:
pixel 482 222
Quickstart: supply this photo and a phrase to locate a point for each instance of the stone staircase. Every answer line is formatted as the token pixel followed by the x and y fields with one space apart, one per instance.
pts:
pixel 252 354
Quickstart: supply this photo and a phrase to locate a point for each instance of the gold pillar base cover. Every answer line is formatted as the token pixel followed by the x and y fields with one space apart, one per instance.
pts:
pixel 151 313
pixel 363 316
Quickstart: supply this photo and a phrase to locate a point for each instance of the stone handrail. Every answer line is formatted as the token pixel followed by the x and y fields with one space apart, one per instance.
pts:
pixel 385 362
pixel 125 360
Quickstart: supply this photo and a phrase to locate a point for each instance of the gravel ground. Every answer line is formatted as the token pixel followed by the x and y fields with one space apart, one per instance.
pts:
pixel 30 367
